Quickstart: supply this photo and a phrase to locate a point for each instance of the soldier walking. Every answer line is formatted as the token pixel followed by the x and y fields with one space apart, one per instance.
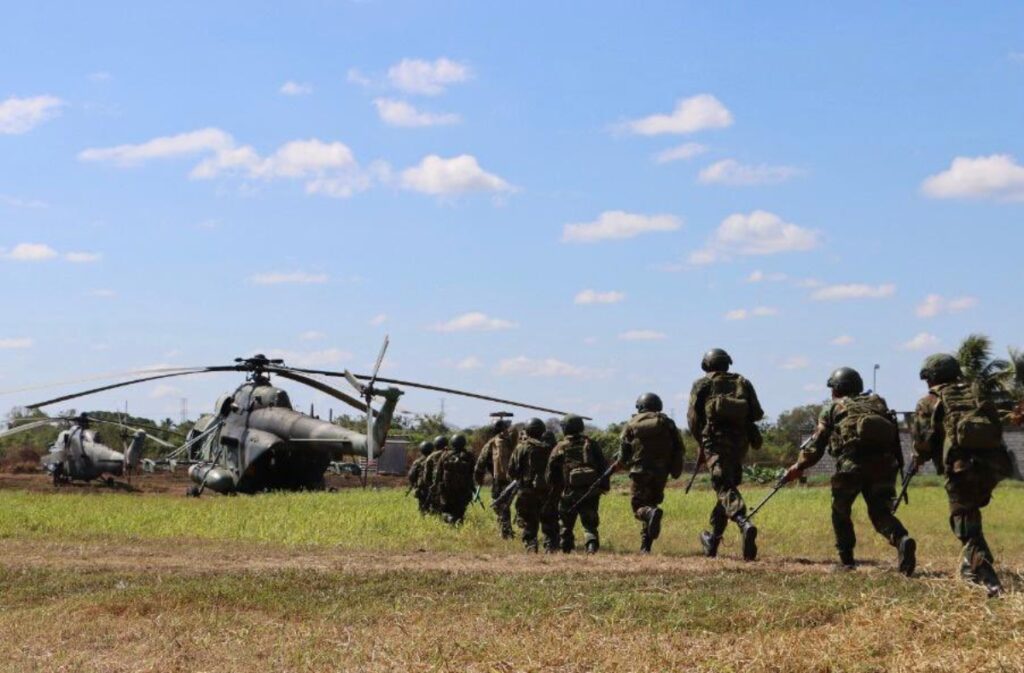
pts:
pixel 862 435
pixel 494 460
pixel 652 449
pixel 528 466
pixel 453 481
pixel 426 490
pixel 956 421
pixel 723 417
pixel 577 464
pixel 416 476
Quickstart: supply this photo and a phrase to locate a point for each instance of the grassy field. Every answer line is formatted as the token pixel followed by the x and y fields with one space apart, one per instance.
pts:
pixel 357 581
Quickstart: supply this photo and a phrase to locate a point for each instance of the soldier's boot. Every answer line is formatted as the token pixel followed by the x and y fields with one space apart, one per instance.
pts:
pixel 846 560
pixel 654 523
pixel 531 546
pixel 906 554
pixel 568 544
pixel 550 546
pixel 977 569
pixel 645 543
pixel 749 532
pixel 709 543
pixel 506 531
pixel 593 546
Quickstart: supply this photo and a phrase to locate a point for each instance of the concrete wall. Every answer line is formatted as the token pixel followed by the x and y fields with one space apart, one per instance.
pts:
pixel 1014 441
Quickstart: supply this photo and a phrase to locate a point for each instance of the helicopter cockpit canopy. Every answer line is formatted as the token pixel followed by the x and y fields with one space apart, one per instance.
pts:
pixel 268 397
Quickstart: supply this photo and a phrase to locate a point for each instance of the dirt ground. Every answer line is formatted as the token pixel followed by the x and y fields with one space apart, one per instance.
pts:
pixel 161 483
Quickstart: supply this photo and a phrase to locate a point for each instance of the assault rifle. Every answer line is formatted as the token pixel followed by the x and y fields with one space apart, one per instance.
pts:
pixel 780 483
pixel 899 458
pixel 505 496
pixel 907 476
pixel 701 459
pixel 596 485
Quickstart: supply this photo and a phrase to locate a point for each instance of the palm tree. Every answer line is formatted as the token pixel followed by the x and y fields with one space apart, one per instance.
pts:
pixel 992 375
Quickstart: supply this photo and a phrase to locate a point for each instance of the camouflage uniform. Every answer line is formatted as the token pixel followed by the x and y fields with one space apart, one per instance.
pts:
pixel 494 460
pixel 425 491
pixel 725 447
pixel 573 462
pixel 868 471
pixel 652 448
pixel 453 483
pixel 416 479
pixel 971 476
pixel 528 465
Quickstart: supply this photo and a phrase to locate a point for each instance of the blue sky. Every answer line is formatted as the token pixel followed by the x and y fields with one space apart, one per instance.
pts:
pixel 561 202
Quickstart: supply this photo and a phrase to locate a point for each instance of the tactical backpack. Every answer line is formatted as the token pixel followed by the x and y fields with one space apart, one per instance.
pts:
pixel 457 472
pixel 863 425
pixel 727 405
pixel 652 440
pixel 967 419
pixel 578 468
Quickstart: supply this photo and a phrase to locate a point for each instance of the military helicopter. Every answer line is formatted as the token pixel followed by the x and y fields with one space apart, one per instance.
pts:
pixel 77 455
pixel 255 441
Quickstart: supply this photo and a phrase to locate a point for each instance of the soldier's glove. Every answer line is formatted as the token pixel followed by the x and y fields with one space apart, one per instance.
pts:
pixel 792 474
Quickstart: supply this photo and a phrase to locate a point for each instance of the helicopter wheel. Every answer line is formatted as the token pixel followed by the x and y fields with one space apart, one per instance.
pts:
pixel 109 481
pixel 192 492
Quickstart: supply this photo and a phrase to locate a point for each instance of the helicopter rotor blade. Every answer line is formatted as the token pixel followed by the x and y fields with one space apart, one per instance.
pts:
pixel 322 387
pixel 354 382
pixel 442 389
pixel 92 391
pixel 28 426
pixel 380 361
pixel 99 377
pixel 134 426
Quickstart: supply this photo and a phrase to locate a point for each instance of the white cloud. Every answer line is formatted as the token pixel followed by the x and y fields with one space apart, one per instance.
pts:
pixel 329 168
pixel 642 335
pixel 595 297
pixel 354 76
pixel 321 358
pixel 690 115
pixel 618 224
pixel 759 233
pixel 680 153
pixel 795 362
pixel 312 335
pixel 16 202
pixel 18 343
pixel 103 293
pixel 997 176
pixel 83 257
pixel 21 115
pixel 843 340
pixel 29 252
pixel 731 172
pixel 921 342
pixel 853 291
pixel 934 304
pixel 379 319
pixel 540 368
pixel 427 78
pixel 291 88
pixel 458 175
pixel 471 362
pixel 762 277
pixel 757 312
pixel 473 322
pixel 294 277
pixel 183 144
pixel 400 113
pixel 1016 56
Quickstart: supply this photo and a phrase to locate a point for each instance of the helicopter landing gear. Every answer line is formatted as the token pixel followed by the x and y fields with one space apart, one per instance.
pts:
pixel 192 492
pixel 109 481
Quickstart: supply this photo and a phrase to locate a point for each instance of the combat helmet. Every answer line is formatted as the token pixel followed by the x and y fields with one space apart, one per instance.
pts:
pixel 459 442
pixel 440 443
pixel 846 381
pixel 535 428
pixel 572 425
pixel 649 402
pixel 426 448
pixel 941 368
pixel 716 360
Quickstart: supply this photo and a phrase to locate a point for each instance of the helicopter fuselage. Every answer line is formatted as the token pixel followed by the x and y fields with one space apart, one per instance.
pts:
pixel 77 456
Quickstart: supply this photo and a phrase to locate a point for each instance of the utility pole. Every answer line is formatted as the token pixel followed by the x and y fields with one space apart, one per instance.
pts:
pixel 874 378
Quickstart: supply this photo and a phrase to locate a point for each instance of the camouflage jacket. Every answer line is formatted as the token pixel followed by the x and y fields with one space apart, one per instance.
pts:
pixel 651 442
pixel 930 441
pixel 696 414
pixel 572 453
pixel 825 436
pixel 429 473
pixel 416 470
pixel 927 438
pixel 494 458
pixel 529 463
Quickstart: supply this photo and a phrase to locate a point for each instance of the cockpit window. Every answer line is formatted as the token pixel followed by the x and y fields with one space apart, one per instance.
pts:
pixel 282 400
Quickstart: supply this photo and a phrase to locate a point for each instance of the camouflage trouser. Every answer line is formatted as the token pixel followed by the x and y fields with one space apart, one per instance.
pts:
pixel 726 476
pixel 533 514
pixel 587 513
pixel 969 491
pixel 453 505
pixel 647 491
pixel 423 498
pixel 879 492
pixel 504 512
